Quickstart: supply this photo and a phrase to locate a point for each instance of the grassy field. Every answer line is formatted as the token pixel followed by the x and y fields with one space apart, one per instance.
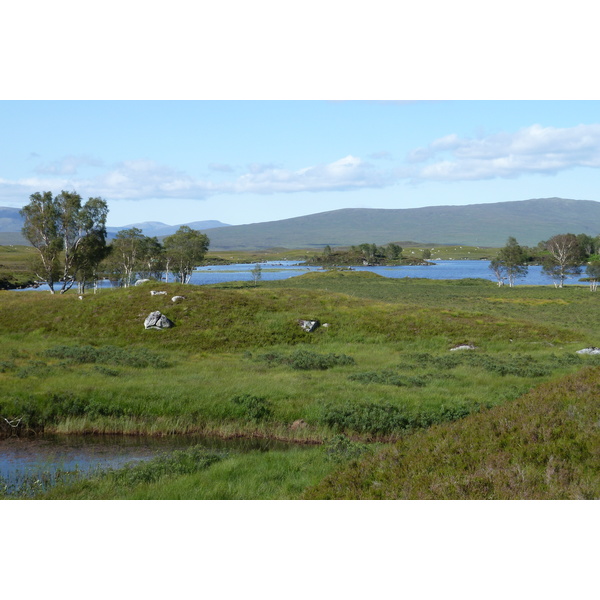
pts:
pixel 14 265
pixel 237 363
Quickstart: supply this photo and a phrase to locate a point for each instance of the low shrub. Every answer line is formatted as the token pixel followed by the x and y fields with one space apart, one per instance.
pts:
pixel 384 418
pixel 340 449
pixel 111 355
pixel 306 360
pixel 36 412
pixel 255 408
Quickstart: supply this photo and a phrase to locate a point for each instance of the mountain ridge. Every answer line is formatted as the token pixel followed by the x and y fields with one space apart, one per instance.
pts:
pixel 483 224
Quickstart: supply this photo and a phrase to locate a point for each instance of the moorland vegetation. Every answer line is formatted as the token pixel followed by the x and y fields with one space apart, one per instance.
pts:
pixel 409 388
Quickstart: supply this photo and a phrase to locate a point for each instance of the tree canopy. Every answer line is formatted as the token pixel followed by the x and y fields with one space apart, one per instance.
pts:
pixel 185 250
pixel 69 237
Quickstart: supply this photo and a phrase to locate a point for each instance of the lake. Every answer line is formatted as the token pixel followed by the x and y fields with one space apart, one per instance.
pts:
pixel 440 269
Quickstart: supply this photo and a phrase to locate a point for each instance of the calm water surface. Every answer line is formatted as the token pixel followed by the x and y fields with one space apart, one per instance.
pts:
pixel 40 457
pixel 272 271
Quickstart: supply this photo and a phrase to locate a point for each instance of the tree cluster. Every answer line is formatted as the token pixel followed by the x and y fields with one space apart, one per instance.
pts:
pixel 562 255
pixel 70 238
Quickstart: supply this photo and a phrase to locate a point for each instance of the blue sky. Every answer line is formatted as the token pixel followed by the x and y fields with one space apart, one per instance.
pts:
pixel 253 161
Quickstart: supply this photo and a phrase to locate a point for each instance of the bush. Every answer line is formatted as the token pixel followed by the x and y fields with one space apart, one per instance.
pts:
pixel 340 449
pixel 384 418
pixel 254 408
pixel 111 355
pixel 306 360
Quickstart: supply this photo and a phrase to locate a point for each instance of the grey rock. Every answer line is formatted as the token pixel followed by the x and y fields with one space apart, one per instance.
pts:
pixel 308 326
pixel 463 347
pixel 590 350
pixel 140 281
pixel 177 298
pixel 156 320
pixel 155 293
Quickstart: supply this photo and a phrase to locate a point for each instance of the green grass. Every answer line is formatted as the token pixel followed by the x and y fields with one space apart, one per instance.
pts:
pixel 195 474
pixel 544 445
pixel 237 363
pixel 15 265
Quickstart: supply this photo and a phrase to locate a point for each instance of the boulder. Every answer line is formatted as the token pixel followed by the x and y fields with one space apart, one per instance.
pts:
pixel 140 281
pixel 156 320
pixel 177 298
pixel 463 347
pixel 590 350
pixel 155 293
pixel 307 325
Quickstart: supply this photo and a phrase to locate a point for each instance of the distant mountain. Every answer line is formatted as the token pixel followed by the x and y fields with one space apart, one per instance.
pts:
pixel 158 229
pixel 530 221
pixel 10 219
pixel 11 222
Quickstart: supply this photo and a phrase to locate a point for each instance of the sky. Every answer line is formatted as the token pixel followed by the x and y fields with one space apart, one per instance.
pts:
pixel 256 111
pixel 248 161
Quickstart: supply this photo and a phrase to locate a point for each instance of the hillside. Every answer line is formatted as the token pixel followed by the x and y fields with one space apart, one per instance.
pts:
pixel 530 221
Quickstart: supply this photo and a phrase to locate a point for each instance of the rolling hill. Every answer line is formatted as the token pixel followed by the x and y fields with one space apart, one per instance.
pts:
pixel 530 221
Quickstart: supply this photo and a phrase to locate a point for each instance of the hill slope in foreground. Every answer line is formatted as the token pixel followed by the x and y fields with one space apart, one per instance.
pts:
pixel 530 221
pixel 544 445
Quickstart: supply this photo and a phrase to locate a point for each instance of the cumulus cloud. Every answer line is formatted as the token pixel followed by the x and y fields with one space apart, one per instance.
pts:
pixel 68 165
pixel 532 150
pixel 535 149
pixel 142 179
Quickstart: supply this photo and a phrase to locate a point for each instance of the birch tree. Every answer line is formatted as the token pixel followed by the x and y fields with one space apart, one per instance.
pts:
pixel 58 227
pixel 185 250
pixel 564 258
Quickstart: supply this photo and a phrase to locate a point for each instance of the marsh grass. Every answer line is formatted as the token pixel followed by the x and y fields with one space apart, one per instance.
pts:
pixel 381 370
pixel 204 475
pixel 543 445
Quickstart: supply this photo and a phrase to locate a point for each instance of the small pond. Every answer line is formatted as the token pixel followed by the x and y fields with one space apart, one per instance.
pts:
pixel 27 460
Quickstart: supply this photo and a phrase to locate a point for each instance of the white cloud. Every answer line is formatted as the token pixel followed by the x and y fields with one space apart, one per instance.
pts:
pixel 68 165
pixel 143 179
pixel 535 149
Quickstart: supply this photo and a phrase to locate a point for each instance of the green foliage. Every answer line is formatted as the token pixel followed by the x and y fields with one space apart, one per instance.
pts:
pixel 389 377
pixel 185 250
pixel 340 449
pixel 307 360
pixel 65 231
pixel 173 464
pixel 256 274
pixel 38 412
pixel 385 418
pixel 111 355
pixel 255 408
pixel 510 263
pixel 543 445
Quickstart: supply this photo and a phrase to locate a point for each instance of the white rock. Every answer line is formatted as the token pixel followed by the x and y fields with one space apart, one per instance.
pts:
pixel 156 320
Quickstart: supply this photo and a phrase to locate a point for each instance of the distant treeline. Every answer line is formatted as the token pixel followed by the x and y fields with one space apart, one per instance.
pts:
pixel 365 254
